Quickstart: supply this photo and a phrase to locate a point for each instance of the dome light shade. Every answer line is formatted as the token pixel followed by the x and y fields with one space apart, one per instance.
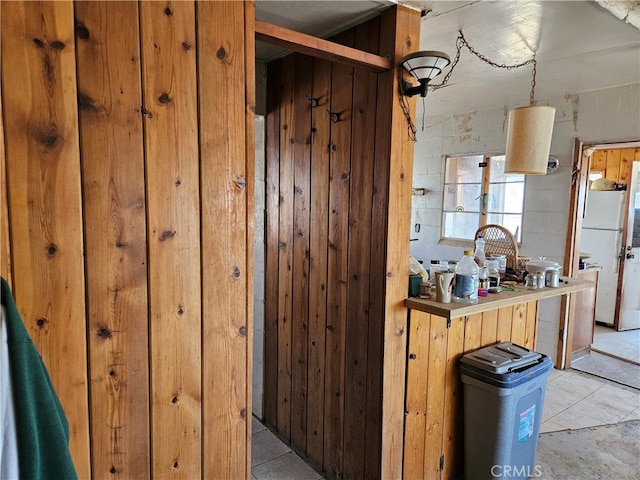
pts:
pixel 424 65
pixel 529 140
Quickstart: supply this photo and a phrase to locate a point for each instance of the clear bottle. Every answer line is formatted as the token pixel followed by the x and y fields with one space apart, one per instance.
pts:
pixel 483 279
pixel 466 287
pixel 493 273
pixel 479 256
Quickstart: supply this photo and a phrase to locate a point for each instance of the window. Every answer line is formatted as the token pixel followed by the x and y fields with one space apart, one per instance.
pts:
pixel 478 192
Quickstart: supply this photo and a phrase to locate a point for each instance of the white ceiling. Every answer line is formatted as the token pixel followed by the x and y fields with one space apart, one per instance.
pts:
pixel 580 45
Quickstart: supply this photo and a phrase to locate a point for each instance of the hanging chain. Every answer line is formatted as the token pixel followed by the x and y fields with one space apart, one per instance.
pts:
pixel 462 42
pixel 532 101
pixel 410 125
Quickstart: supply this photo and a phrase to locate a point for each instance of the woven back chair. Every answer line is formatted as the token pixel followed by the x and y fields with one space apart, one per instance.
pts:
pixel 499 241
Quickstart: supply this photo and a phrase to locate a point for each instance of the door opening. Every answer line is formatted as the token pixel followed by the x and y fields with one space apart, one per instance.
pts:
pixel 604 221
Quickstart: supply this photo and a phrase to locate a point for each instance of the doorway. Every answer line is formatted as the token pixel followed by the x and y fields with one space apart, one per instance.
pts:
pixel 607 220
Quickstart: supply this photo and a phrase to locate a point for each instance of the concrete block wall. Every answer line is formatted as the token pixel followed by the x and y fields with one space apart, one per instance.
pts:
pixel 600 116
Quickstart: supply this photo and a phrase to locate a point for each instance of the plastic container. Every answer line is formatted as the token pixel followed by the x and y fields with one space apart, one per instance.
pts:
pixel 478 255
pixel 414 285
pixel 502 263
pixel 504 388
pixel 493 273
pixel 466 286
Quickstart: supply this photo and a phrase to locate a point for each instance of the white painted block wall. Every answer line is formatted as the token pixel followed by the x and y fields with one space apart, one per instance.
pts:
pixel 601 116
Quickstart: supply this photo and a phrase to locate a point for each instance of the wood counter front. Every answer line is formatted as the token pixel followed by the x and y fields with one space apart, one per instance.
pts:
pixel 439 334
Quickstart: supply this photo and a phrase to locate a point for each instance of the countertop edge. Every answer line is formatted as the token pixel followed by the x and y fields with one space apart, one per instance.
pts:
pixel 493 301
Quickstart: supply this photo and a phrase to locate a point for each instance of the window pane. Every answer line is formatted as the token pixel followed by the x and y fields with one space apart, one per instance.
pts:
pixel 465 197
pixel 506 197
pixel 496 174
pixel 512 222
pixel 460 225
pixel 463 169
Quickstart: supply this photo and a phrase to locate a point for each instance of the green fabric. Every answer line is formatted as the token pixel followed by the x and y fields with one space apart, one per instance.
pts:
pixel 41 425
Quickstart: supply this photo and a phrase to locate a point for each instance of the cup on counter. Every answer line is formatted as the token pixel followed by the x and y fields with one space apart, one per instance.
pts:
pixel 444 281
pixel 425 290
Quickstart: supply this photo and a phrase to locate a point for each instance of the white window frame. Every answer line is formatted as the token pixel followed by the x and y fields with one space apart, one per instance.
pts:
pixel 482 212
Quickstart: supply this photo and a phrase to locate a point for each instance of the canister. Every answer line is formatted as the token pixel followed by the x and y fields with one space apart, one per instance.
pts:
pixel 553 278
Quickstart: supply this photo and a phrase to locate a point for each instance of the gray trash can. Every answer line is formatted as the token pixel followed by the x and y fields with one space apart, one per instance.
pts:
pixel 504 386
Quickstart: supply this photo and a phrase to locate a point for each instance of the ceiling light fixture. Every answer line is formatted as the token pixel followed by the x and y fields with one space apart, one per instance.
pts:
pixel 529 128
pixel 529 136
pixel 424 66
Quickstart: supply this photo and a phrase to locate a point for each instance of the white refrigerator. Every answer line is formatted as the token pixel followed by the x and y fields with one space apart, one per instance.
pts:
pixel 602 237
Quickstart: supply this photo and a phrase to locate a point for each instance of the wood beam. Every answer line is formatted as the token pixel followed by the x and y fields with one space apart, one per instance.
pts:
pixel 319 48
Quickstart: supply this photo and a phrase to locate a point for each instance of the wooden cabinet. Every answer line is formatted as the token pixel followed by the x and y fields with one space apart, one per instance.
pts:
pixel 439 334
pixel 584 321
pixel 433 405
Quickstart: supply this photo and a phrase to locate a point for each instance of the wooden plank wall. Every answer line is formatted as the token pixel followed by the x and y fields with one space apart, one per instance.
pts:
pixel 615 164
pixel 328 161
pixel 127 225
pixel 434 403
pixel 5 252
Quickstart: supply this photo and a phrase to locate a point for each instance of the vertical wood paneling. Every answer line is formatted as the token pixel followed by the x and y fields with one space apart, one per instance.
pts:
pixel 599 161
pixel 43 166
pixel 504 324
pixel 272 199
pixel 400 34
pixel 348 270
pixel 250 169
pixel 222 67
pixel 489 333
pixel 302 183
pixel 626 160
pixel 612 170
pixel 319 225
pixel 472 332
pixel 532 325
pixel 377 278
pixel 452 433
pixel 519 324
pixel 173 188
pixel 435 396
pixel 5 251
pixel 108 59
pixel 337 279
pixel 198 318
pixel 361 429
pixel 435 384
pixel 285 246
pixel 416 396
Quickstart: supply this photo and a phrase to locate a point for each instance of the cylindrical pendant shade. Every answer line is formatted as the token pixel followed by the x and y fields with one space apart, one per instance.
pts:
pixel 529 140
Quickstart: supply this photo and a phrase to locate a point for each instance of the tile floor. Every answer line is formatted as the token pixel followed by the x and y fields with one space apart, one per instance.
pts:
pixel 577 400
pixel 271 459
pixel 621 344
pixel 573 400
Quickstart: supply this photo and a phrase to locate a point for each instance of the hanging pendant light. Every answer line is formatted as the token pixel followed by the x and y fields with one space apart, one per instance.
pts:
pixel 529 140
pixel 529 136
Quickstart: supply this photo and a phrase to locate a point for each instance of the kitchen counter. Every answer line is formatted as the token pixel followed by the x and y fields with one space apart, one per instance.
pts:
pixel 495 300
pixel 438 335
